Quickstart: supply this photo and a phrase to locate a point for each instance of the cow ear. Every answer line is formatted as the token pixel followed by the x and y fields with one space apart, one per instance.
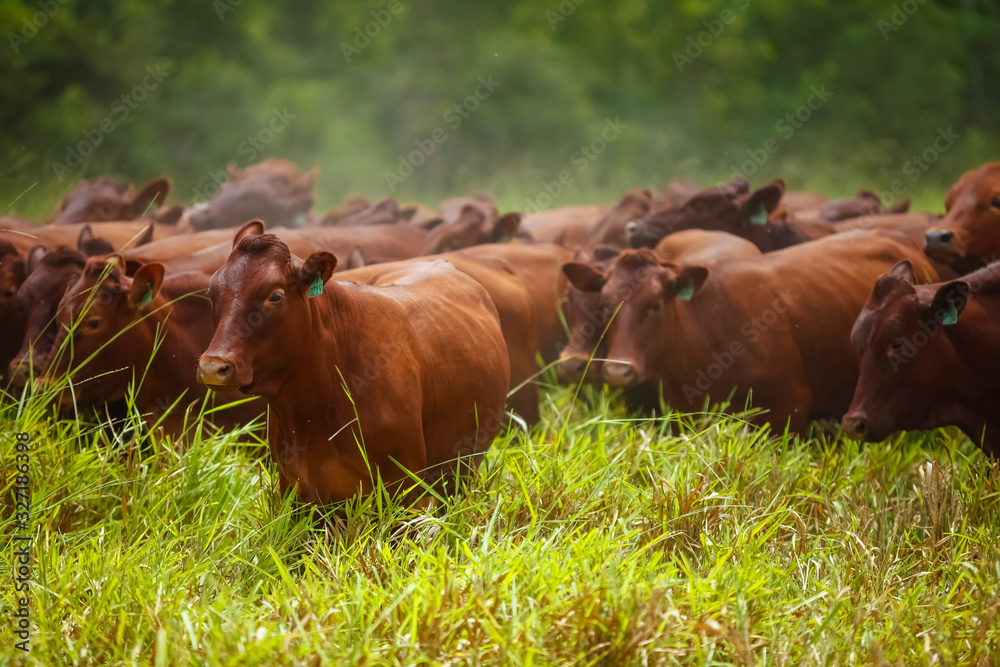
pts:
pixel 35 256
pixel 308 180
pixel 763 201
pixel 84 239
pixel 131 266
pixel 145 285
pixel 901 207
pixel 252 228
pixel 688 281
pixel 584 277
pixel 431 224
pixel 150 198
pixel 901 276
pixel 949 301
pixel 356 258
pixel 315 271
pixel 146 236
pixel 170 216
pixel 904 271
pixel 506 227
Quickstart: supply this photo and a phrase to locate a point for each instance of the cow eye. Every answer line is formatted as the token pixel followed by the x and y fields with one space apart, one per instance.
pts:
pixel 655 308
pixel 996 202
pixel 93 323
pixel 276 297
pixel 898 344
pixel 10 292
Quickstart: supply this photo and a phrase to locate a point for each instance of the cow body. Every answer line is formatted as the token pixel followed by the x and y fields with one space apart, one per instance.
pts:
pixel 777 325
pixel 434 408
pixel 929 357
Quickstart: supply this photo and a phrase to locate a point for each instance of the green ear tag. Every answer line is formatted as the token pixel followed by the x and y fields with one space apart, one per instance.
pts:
pixel 147 296
pixel 760 217
pixel 951 317
pixel 685 293
pixel 316 288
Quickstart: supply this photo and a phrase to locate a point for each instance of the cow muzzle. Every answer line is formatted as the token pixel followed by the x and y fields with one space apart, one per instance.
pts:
pixel 621 373
pixel 223 373
pixel 940 245
pixel 572 368
pixel 860 428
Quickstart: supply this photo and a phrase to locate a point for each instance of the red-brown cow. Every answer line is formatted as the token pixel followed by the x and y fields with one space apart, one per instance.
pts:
pixel 778 325
pixel 109 324
pixel 273 189
pixel 730 208
pixel 969 236
pixel 432 412
pixel 610 229
pixel 929 357
pixel 568 226
pixel 588 314
pixel 106 200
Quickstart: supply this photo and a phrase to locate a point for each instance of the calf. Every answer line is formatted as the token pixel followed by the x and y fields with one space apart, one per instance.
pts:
pixel 432 411
pixel 969 236
pixel 145 331
pixel 929 357
pixel 777 325
pixel 730 208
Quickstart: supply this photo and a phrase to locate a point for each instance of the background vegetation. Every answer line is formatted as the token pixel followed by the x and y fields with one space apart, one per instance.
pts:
pixel 898 72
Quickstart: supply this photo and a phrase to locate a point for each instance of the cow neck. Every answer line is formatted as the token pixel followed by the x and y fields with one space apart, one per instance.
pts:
pixel 314 387
pixel 976 348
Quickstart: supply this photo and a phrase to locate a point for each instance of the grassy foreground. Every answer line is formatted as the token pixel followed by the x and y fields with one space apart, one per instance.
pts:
pixel 597 539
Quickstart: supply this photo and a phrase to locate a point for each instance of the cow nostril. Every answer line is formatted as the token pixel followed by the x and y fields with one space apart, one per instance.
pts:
pixel 223 369
pixel 946 236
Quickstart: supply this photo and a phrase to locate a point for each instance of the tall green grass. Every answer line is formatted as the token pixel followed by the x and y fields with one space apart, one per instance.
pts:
pixel 597 538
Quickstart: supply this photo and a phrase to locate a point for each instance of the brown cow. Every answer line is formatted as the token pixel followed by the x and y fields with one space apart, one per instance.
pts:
pixel 432 411
pixel 610 229
pixel 929 357
pixel 729 208
pixel 109 325
pixel 777 325
pixel 470 229
pixel 969 236
pixel 587 313
pixel 568 226
pixel 106 200
pixel 273 189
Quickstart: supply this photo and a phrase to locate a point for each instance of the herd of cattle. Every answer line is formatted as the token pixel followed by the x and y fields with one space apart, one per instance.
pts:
pixel 388 341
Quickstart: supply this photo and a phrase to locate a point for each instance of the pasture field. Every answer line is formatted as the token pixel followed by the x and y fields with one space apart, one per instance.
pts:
pixel 597 538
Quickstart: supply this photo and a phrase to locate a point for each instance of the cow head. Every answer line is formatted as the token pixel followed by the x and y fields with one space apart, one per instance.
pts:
pixel 261 309
pixel 969 235
pixel 586 315
pixel 729 208
pixel 903 339
pixel 50 274
pixel 98 343
pixel 641 295
pixel 106 200
pixel 469 229
pixel 273 190
pixel 611 229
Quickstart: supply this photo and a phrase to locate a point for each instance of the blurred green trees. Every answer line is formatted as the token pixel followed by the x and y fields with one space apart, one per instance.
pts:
pixel 699 86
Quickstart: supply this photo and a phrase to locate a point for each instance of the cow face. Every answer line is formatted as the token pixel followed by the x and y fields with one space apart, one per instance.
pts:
pixel 612 228
pixel 273 190
pixel 730 208
pixel 969 235
pixel 586 315
pixel 905 352
pixel 261 312
pixel 99 345
pixel 52 272
pixel 106 200
pixel 641 294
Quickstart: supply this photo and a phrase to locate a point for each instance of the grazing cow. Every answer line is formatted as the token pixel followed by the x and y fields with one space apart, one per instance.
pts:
pixel 777 325
pixel 106 200
pixel 587 313
pixel 929 357
pixel 146 331
pixel 432 411
pixel 273 189
pixel 568 226
pixel 969 236
pixel 729 208
pixel 49 273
